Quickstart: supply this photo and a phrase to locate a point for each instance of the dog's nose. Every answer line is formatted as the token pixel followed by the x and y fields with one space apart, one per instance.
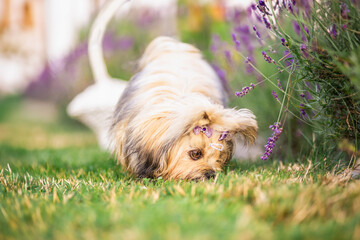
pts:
pixel 209 174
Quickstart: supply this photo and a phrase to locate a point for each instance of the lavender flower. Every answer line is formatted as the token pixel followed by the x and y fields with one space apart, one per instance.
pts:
pixel 290 7
pixel 208 131
pixel 279 84
pixel 263 8
pixel 267 57
pixel 307 7
pixel 283 42
pixel 288 57
pixel 237 42
pixel 223 135
pixel 333 31
pixel 266 22
pixel 344 10
pixel 302 110
pixel 302 95
pixel 228 56
pixel 222 75
pixel 304 51
pixel 275 95
pixel 296 27
pixel 249 68
pixel 257 33
pixel 269 147
pixel 245 90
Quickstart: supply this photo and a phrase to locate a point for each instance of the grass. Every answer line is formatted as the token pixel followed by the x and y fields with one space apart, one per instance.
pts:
pixel 70 189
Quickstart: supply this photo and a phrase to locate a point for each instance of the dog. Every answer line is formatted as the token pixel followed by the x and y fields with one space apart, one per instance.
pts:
pixel 171 122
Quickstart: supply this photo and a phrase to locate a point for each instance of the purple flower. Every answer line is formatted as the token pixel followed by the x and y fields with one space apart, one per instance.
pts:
pixel 279 84
pixel 290 7
pixel 222 75
pixel 296 27
pixel 237 43
pixel 283 42
pixel 267 57
pixel 344 10
pixel 288 57
pixel 307 7
pixel 302 110
pixel 304 51
pixel 266 22
pixel 333 31
pixel 275 95
pixel 208 131
pixel 302 95
pixel 269 147
pixel 245 90
pixel 223 135
pixel 249 68
pixel 228 56
pixel 257 33
pixel 263 8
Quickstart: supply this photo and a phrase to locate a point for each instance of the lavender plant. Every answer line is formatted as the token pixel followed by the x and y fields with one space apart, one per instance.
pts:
pixel 319 42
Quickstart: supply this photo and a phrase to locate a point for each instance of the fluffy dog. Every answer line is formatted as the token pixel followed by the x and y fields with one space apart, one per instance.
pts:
pixel 171 122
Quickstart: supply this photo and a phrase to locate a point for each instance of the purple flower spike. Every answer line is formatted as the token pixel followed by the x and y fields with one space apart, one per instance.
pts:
pixel 266 22
pixel 344 10
pixel 302 110
pixel 237 42
pixel 333 31
pixel 245 90
pixel 275 95
pixel 269 147
pixel 283 42
pixel 263 8
pixel 304 51
pixel 223 135
pixel 257 33
pixel 267 57
pixel 279 84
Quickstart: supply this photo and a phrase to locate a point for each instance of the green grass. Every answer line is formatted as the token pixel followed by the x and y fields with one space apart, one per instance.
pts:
pixel 73 190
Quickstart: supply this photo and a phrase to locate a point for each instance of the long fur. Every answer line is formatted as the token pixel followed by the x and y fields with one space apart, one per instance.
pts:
pixel 174 91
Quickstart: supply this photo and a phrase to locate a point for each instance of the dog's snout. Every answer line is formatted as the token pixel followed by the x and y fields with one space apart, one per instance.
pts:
pixel 209 174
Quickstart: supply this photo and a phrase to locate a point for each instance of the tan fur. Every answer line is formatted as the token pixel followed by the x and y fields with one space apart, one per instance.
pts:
pixel 175 91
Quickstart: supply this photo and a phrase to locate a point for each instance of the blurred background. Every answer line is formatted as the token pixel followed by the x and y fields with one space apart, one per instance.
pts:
pixel 44 61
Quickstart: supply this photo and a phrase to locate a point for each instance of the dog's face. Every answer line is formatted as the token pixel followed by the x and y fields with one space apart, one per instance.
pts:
pixel 207 146
pixel 197 156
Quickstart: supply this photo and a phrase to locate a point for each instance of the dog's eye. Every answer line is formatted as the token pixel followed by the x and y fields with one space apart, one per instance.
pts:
pixel 195 154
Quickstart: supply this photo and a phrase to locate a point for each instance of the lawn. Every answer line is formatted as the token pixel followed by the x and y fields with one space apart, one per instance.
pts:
pixel 57 184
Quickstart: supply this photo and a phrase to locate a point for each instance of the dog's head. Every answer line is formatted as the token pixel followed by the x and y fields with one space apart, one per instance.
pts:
pixel 191 139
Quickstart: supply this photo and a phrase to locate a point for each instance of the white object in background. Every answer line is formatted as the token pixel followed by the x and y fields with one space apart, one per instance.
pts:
pixel 96 104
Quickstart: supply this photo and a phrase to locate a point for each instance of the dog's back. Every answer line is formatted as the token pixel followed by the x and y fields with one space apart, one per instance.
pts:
pixel 184 66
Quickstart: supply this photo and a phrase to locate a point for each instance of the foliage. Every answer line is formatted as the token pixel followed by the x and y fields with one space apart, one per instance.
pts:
pixel 312 49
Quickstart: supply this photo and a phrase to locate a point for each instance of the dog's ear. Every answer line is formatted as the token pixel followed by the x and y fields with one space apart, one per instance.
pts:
pixel 239 122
